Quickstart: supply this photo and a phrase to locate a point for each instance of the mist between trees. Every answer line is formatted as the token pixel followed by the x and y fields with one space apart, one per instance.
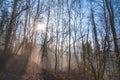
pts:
pixel 59 40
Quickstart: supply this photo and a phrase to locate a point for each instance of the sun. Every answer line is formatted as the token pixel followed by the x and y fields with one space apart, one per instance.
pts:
pixel 40 26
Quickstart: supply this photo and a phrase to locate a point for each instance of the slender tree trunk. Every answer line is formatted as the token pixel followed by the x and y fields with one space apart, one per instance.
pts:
pixel 69 22
pixel 114 35
pixel 96 44
pixel 10 27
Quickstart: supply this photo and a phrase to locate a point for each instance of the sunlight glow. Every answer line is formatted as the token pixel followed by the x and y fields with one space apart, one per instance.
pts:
pixel 40 26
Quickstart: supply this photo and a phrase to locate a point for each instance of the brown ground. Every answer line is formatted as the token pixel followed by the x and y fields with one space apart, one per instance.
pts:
pixel 19 68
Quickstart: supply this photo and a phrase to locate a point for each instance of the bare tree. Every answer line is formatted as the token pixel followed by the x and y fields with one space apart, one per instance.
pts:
pixel 112 25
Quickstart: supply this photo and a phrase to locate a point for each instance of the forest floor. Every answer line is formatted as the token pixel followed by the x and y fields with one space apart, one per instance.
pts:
pixel 46 76
pixel 18 68
pixel 63 76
